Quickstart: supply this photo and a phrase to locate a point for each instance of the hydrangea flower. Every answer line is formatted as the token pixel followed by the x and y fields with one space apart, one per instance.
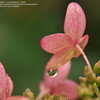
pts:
pixel 69 44
pixel 6 87
pixel 55 83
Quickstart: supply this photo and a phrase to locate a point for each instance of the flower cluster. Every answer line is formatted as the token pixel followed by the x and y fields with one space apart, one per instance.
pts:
pixel 90 83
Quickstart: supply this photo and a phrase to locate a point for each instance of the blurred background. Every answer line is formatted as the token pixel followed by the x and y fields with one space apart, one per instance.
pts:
pixel 22 28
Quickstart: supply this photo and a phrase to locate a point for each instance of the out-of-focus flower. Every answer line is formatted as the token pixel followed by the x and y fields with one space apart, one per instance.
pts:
pixel 17 98
pixel 66 46
pixel 6 87
pixel 55 83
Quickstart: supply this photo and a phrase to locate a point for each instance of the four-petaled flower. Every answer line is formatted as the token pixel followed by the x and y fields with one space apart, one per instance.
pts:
pixel 66 46
pixel 55 83
pixel 6 87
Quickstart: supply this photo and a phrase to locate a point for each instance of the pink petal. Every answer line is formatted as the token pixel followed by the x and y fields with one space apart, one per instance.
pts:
pixel 9 86
pixel 67 88
pixel 62 73
pixel 75 21
pixel 43 91
pixel 17 98
pixel 56 42
pixel 50 82
pixel 82 43
pixel 60 59
pixel 2 76
pixel 2 82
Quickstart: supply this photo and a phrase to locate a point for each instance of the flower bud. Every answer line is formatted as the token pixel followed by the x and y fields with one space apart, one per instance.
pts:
pixel 82 79
pixel 90 75
pixel 85 92
pixel 96 67
pixel 28 93
pixel 98 80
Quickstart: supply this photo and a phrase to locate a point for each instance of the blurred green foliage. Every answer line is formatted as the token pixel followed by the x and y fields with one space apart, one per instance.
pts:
pixel 21 30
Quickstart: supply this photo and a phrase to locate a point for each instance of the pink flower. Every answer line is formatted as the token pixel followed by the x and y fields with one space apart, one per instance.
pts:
pixel 55 83
pixel 6 87
pixel 66 46
pixel 17 98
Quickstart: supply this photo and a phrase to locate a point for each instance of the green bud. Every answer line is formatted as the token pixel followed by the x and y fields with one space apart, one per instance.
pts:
pixel 89 75
pixel 28 93
pixel 98 80
pixel 87 98
pixel 82 79
pixel 96 67
pixel 54 97
pixel 86 70
pixel 85 92
pixel 96 90
pixel 98 98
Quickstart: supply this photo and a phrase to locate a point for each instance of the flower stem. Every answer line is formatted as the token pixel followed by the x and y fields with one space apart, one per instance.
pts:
pixel 85 58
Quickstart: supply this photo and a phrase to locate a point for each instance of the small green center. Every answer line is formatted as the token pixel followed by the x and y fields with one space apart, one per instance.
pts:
pixel 52 72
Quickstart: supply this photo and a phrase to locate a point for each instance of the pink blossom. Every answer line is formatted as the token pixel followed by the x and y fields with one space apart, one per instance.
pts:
pixel 66 46
pixel 6 87
pixel 57 84
pixel 17 98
